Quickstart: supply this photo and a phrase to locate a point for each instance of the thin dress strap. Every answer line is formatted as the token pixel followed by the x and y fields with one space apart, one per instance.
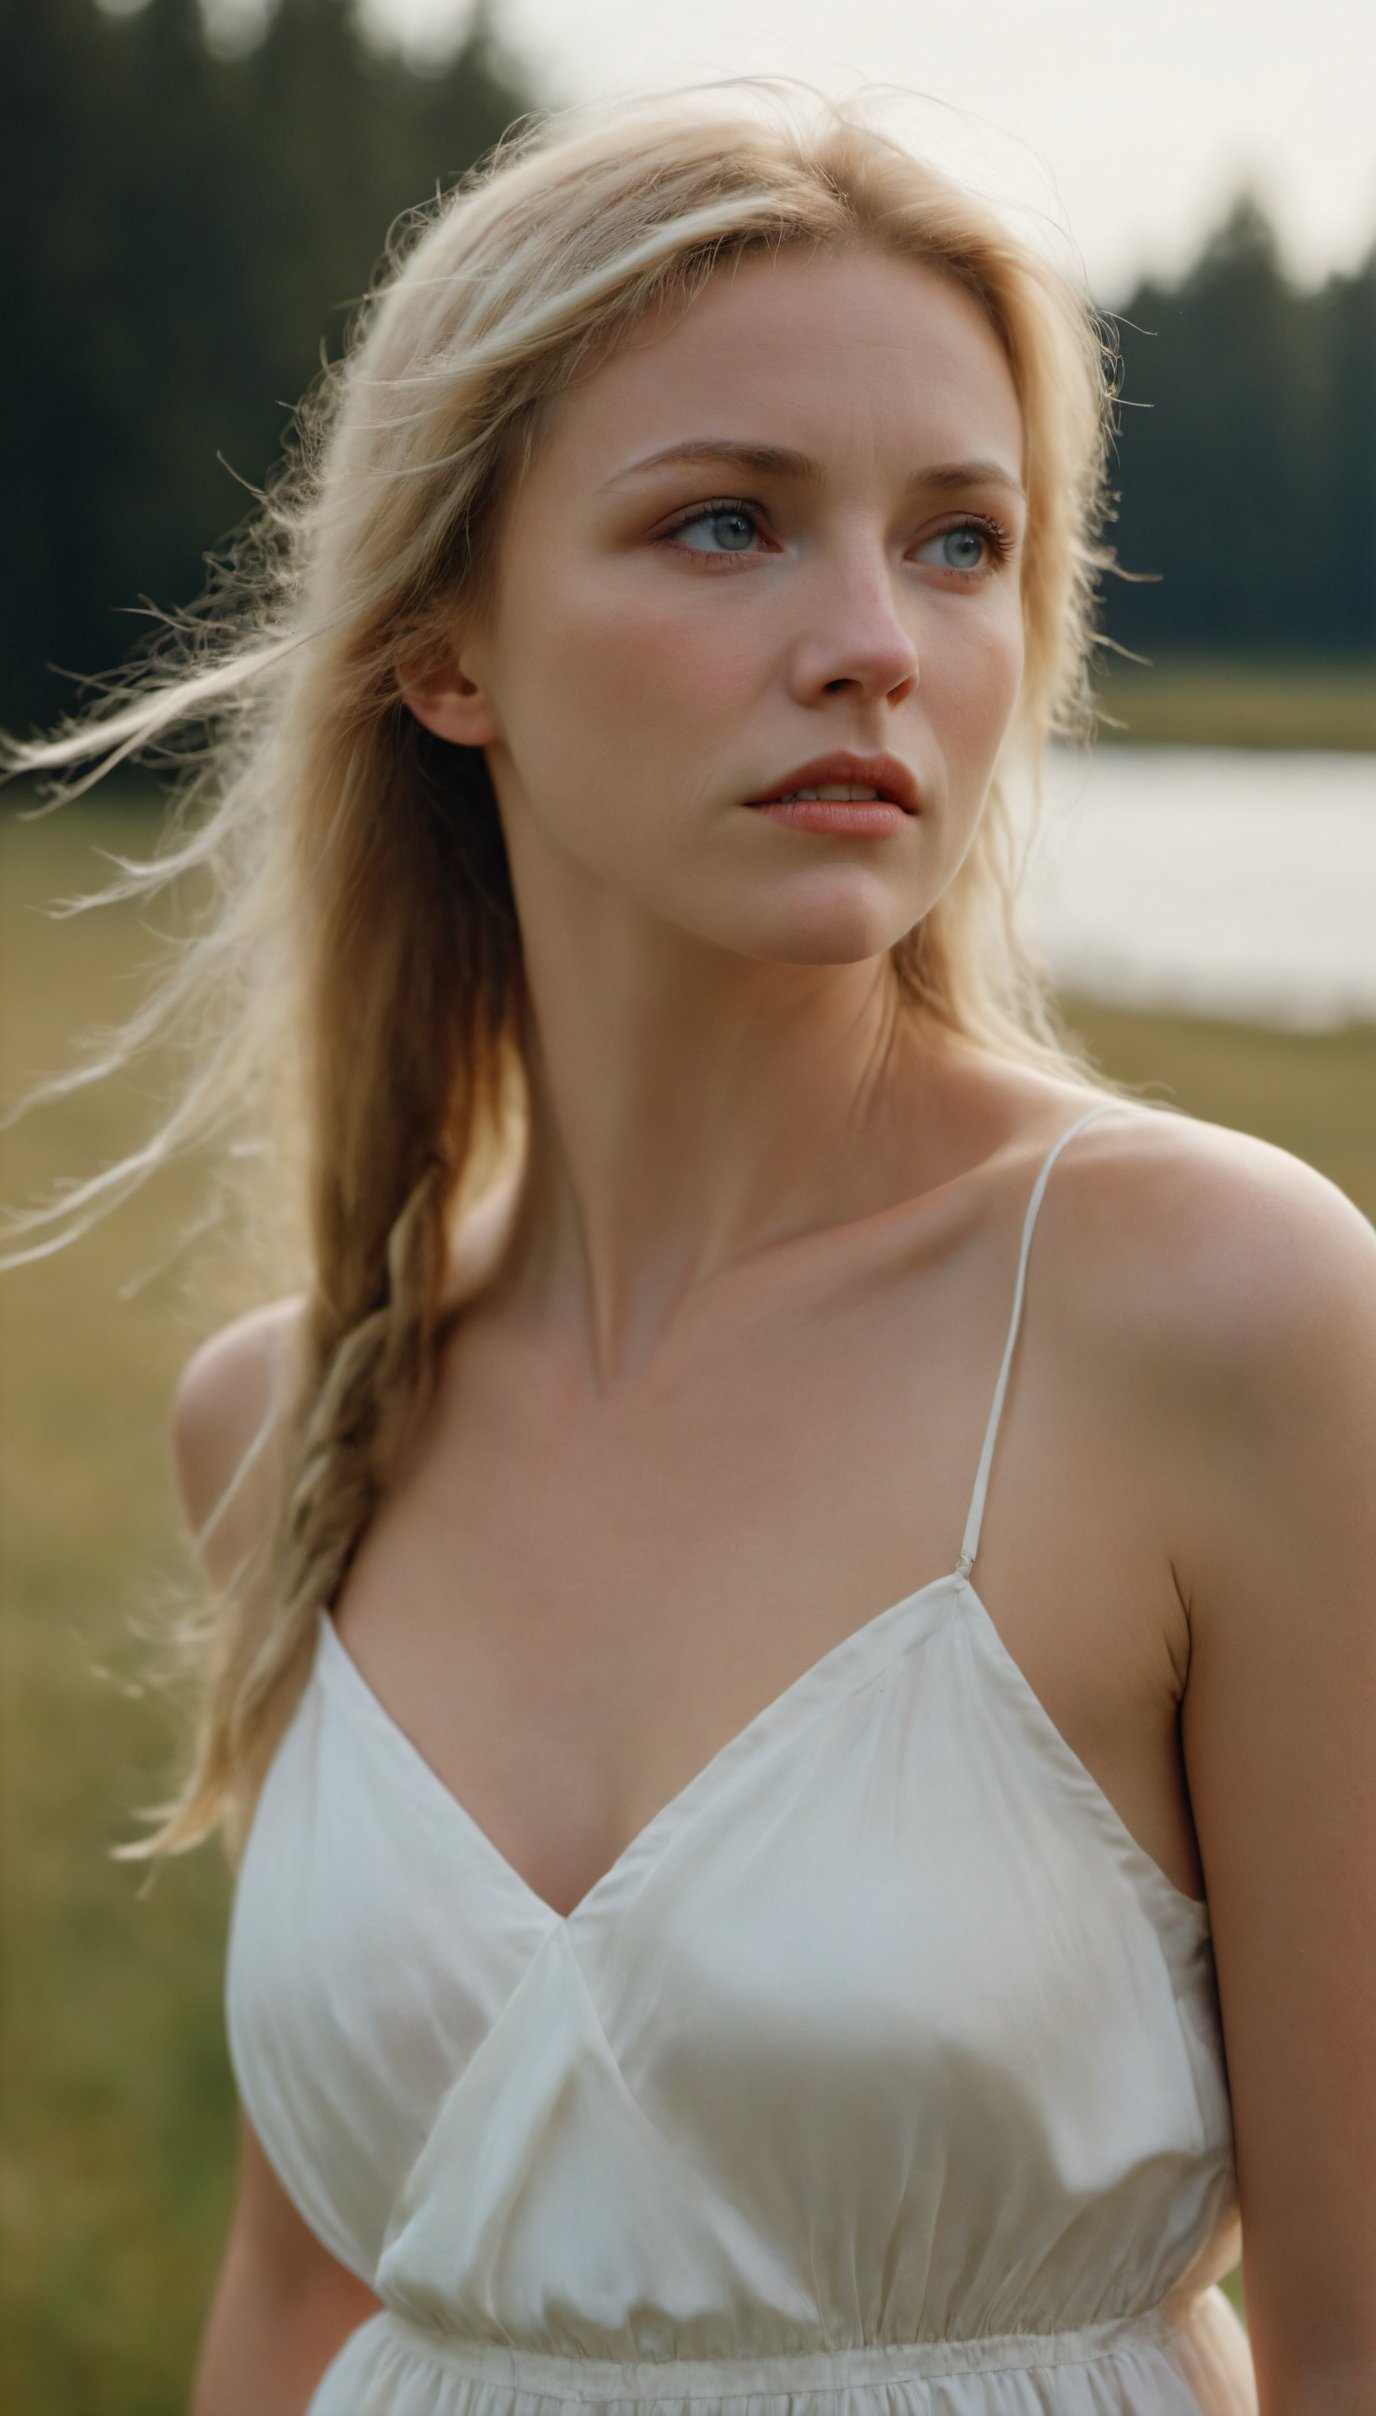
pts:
pixel 970 1542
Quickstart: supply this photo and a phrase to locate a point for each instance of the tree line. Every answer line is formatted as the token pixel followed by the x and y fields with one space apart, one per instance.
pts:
pixel 191 224
pixel 1246 455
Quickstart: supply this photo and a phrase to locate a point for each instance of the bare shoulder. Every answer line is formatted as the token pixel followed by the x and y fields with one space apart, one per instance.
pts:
pixel 1209 1253
pixel 1214 1297
pixel 226 1390
pixel 221 1405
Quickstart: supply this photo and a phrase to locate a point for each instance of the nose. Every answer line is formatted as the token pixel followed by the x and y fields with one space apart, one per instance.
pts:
pixel 853 635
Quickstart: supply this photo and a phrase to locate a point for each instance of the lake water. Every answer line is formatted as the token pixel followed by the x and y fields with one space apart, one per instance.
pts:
pixel 1217 880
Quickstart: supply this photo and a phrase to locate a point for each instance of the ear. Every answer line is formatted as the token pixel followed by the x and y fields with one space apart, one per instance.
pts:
pixel 446 699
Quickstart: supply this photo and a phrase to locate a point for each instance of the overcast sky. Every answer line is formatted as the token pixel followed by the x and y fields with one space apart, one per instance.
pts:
pixel 1127 122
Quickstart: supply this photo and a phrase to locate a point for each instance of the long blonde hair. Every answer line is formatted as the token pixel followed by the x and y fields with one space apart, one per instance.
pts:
pixel 355 994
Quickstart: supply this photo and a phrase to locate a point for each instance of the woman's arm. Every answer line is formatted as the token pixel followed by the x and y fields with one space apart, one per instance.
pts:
pixel 282 2308
pixel 1276 1461
pixel 283 2305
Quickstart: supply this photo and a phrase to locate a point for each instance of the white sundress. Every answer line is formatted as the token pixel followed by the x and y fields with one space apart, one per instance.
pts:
pixel 881 2075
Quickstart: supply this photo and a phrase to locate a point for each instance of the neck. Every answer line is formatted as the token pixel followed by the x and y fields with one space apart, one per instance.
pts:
pixel 678 1129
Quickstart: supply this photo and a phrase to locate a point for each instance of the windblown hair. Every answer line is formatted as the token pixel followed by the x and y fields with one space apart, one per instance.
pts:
pixel 355 995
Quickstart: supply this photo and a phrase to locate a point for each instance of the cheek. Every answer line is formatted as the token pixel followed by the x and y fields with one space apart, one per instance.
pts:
pixel 656 679
pixel 972 680
pixel 662 661
pixel 621 723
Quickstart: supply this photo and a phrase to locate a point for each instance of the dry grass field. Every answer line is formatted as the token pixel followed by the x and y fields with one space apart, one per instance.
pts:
pixel 117 2103
pixel 1209 701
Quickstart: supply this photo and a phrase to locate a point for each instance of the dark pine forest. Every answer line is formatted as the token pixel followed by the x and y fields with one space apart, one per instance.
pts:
pixel 190 226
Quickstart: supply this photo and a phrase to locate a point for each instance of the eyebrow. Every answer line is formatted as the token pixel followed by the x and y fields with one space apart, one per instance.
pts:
pixel 781 461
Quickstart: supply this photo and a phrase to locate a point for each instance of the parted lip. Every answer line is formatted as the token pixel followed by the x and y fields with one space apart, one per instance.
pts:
pixel 885 773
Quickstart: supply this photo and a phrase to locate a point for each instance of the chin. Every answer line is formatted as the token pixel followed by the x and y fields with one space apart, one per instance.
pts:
pixel 844 935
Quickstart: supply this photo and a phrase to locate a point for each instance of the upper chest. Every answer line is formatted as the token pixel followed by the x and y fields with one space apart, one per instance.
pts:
pixel 570 1605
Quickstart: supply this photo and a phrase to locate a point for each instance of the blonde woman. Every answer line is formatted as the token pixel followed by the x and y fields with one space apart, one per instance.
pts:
pixel 798 1768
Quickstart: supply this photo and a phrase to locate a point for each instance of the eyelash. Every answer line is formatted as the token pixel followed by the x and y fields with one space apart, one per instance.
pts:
pixel 998 536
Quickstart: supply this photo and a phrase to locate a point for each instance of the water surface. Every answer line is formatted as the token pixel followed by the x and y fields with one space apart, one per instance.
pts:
pixel 1215 880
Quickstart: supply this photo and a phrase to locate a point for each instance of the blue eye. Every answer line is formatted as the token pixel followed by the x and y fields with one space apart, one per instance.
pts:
pixel 970 536
pixel 976 531
pixel 731 516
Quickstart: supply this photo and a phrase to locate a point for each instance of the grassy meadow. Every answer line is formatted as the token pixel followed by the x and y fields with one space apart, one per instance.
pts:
pixel 118 2111
pixel 1225 701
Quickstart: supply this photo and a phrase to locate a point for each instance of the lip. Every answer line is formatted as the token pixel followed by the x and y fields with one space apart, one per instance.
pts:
pixel 892 779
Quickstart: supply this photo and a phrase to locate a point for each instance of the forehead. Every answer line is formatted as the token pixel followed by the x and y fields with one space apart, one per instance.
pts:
pixel 821 351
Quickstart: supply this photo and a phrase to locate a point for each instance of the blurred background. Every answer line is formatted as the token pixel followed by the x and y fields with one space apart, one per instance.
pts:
pixel 195 194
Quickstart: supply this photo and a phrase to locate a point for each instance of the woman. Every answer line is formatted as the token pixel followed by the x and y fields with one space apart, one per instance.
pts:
pixel 657 1972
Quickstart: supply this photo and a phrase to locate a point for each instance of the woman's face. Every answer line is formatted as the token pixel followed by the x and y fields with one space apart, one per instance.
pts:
pixel 672 637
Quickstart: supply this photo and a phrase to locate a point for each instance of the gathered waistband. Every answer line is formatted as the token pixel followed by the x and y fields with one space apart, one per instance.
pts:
pixel 546 2374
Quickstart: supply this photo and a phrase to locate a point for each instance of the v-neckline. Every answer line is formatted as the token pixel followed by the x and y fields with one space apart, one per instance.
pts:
pixel 853 1655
